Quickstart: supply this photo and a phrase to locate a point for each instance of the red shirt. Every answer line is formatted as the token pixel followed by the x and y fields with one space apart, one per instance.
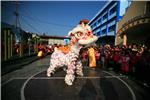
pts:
pixel 116 57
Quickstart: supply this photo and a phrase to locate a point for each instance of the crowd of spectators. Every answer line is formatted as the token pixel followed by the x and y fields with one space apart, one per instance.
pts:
pixel 131 60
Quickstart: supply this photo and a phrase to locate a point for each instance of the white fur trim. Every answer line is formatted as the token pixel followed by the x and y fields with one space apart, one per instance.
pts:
pixel 69 33
pixel 89 41
pixel 78 29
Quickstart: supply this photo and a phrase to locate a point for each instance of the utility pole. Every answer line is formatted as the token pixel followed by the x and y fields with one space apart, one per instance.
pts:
pixel 17 26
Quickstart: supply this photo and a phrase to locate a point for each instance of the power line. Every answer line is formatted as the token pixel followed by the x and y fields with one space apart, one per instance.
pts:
pixel 41 21
pixel 26 14
pixel 35 28
pixel 30 25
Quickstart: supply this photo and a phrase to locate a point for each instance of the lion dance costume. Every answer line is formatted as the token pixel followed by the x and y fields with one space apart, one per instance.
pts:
pixel 68 56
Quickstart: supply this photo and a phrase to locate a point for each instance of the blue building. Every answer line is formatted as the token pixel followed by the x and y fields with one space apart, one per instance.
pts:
pixel 104 23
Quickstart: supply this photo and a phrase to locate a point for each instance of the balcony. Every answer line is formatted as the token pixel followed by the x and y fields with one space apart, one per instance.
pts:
pixel 111 33
pixel 112 15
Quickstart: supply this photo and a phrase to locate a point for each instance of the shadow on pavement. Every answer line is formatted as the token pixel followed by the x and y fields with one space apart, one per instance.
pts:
pixel 108 90
pixel 88 91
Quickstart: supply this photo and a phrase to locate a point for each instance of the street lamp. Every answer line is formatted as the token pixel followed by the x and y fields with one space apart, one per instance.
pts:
pixel 29 44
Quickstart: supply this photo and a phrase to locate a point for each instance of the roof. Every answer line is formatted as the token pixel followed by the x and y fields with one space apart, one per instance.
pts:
pixel 11 27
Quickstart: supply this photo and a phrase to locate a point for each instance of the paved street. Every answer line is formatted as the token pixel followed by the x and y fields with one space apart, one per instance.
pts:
pixel 31 83
pixel 112 35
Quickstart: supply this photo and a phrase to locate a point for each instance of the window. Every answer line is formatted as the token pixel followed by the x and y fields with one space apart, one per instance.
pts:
pixel 94 24
pixel 103 31
pixel 113 10
pixel 98 33
pixel 105 16
pixel 99 21
pixel 111 28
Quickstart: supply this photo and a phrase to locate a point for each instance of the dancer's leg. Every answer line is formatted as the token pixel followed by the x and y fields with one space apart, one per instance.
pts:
pixel 79 67
pixel 51 69
pixel 69 78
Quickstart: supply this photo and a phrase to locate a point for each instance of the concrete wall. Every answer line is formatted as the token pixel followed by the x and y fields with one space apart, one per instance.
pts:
pixel 56 41
pixel 135 9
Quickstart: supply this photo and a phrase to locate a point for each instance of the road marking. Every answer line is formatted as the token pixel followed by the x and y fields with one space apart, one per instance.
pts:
pixel 112 76
pixel 23 87
pixel 133 95
pixel 77 77
pixel 58 78
pixel 13 79
pixel 7 81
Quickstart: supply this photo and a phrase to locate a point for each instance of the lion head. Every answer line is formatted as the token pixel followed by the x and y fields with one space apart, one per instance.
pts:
pixel 82 34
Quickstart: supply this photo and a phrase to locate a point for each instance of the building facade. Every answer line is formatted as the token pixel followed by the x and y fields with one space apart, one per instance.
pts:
pixel 51 40
pixel 9 44
pixel 104 23
pixel 134 27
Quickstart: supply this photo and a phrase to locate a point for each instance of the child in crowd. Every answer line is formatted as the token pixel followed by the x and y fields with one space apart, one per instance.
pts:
pixel 124 60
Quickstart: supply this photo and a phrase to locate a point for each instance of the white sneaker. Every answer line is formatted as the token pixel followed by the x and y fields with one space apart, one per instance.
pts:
pixel 68 82
pixel 48 74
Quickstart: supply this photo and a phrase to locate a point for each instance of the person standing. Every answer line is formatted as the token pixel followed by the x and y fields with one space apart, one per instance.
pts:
pixel 102 57
pixel 92 59
pixel 84 57
pixel 124 60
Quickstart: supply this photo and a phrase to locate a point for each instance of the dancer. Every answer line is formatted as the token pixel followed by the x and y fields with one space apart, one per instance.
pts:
pixel 69 57
pixel 92 58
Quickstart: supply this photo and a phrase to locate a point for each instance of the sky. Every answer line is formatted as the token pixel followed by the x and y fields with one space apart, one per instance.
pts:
pixel 54 18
